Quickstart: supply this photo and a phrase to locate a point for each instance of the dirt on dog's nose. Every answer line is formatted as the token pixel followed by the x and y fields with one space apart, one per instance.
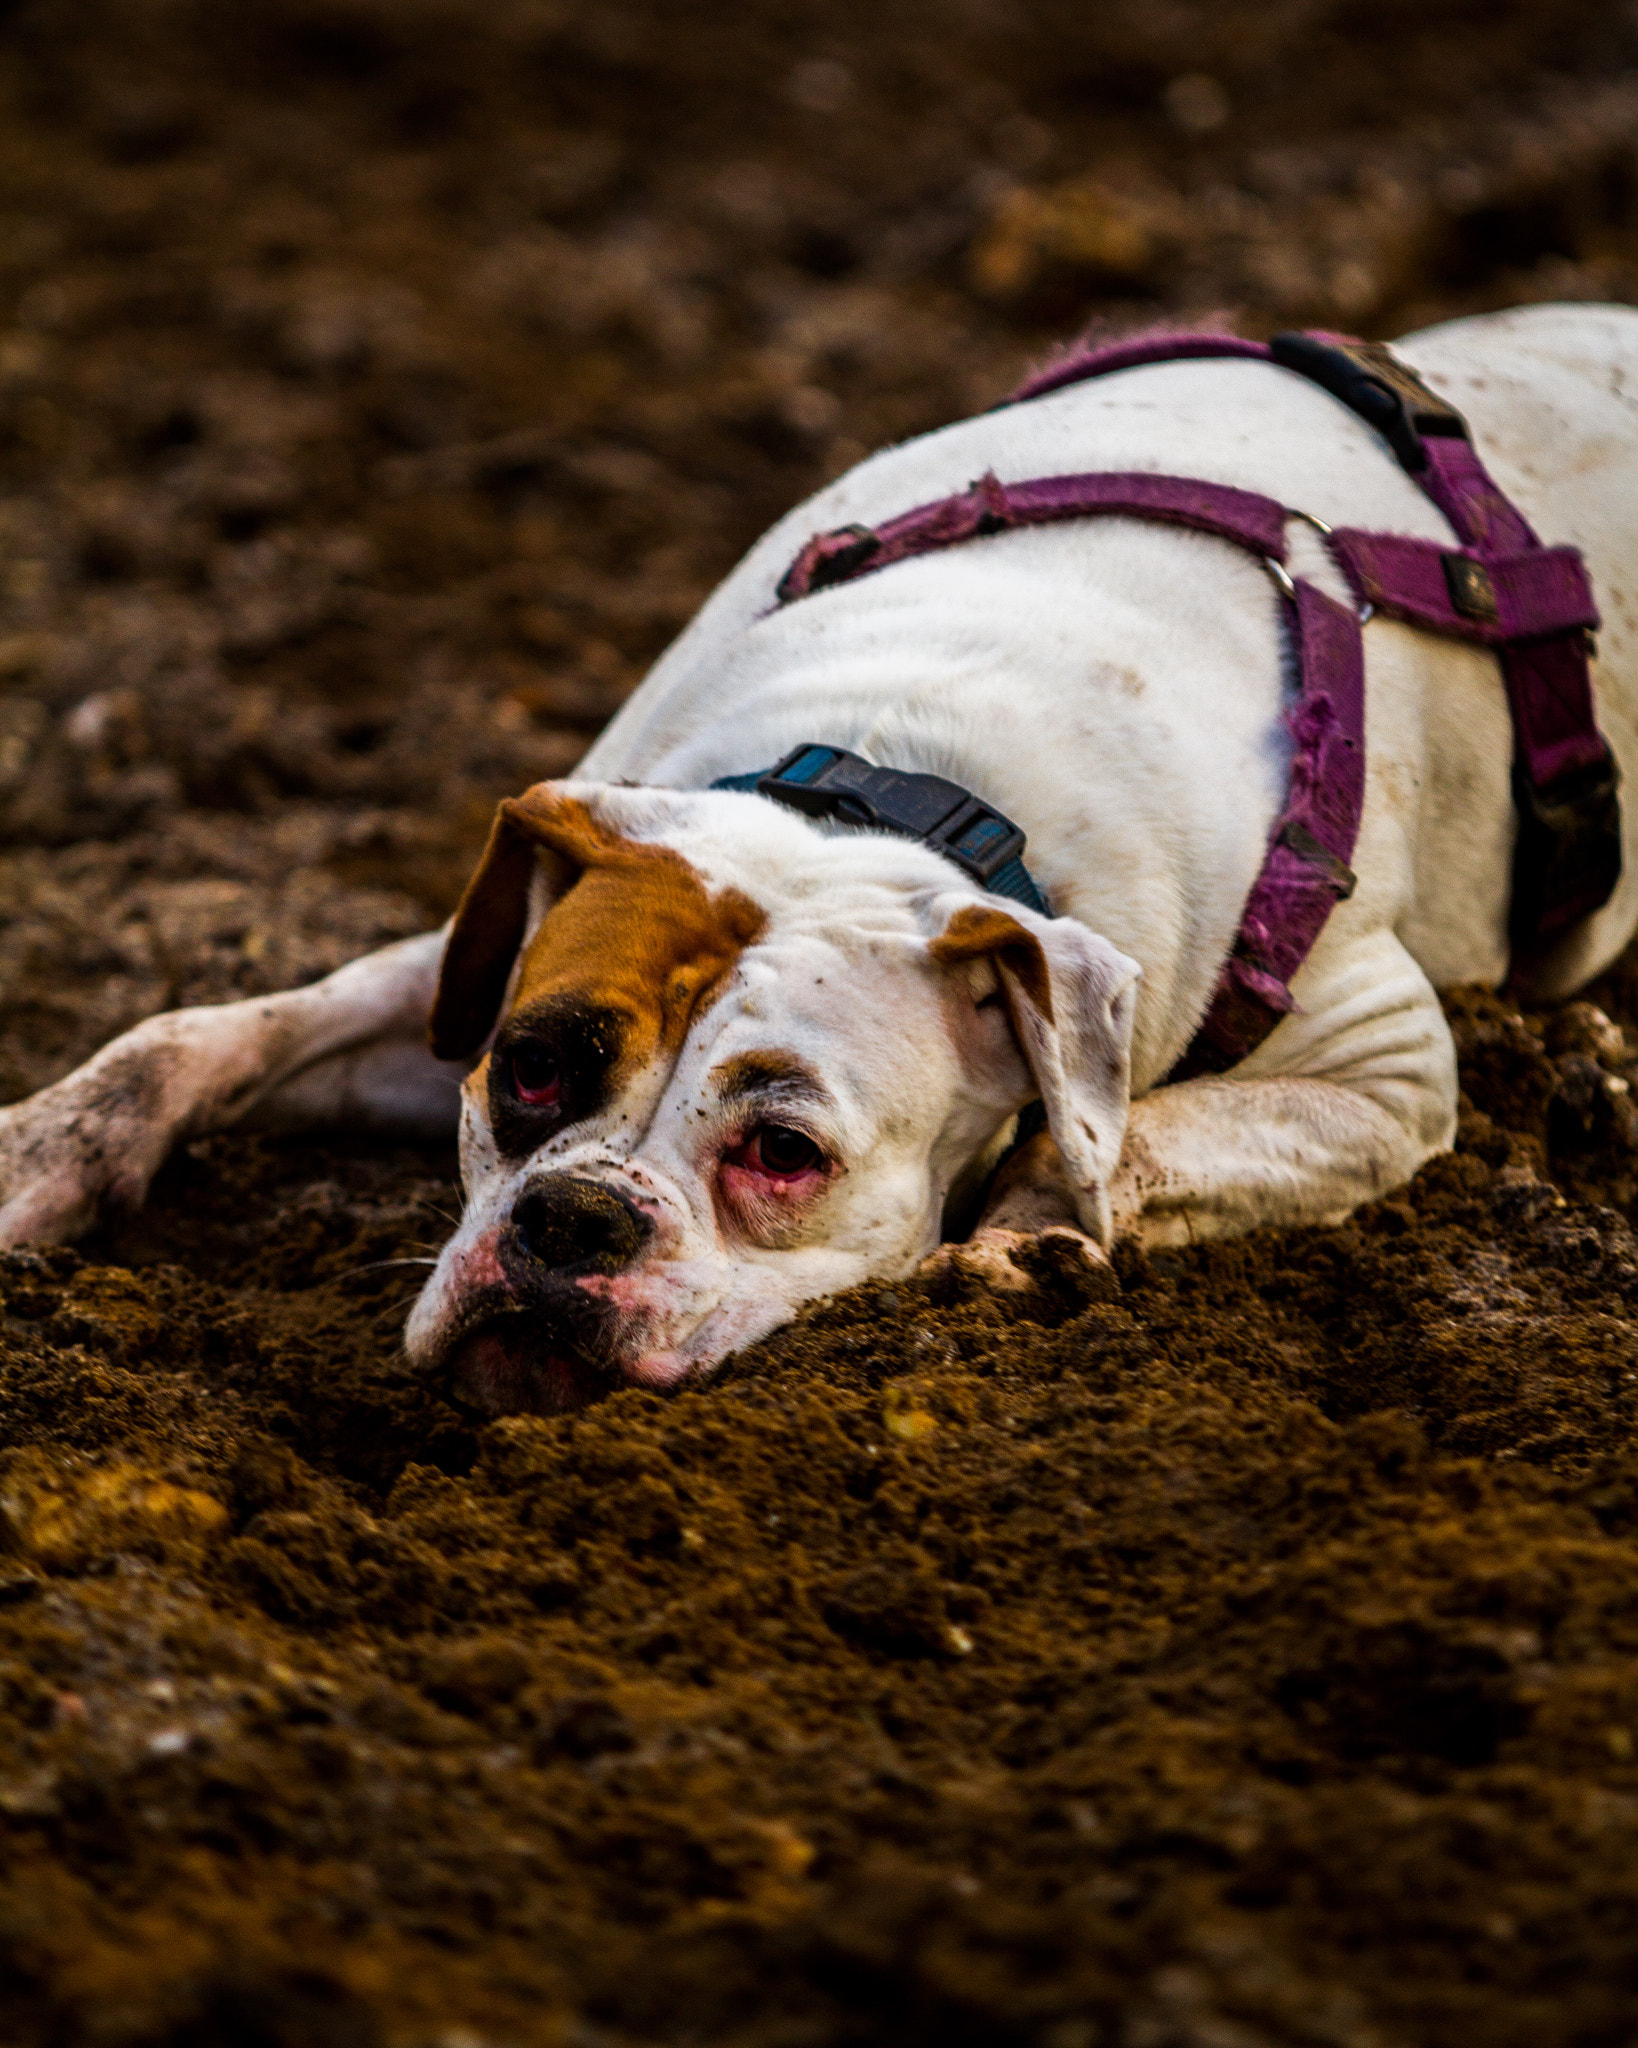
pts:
pixel 567 1225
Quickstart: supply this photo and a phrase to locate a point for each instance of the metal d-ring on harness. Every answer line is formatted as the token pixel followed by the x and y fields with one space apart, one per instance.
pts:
pixel 1280 575
pixel 1500 588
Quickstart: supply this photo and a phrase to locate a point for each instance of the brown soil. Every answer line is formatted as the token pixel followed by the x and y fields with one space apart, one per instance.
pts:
pixel 1250 1656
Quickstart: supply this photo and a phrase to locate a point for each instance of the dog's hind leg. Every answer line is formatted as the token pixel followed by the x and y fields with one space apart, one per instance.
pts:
pixel 351 1048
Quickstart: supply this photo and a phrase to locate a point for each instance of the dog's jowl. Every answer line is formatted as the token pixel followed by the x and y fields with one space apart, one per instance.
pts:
pixel 1074 849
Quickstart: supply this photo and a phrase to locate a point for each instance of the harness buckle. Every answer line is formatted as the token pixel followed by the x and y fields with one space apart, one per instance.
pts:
pixel 829 782
pixel 1372 382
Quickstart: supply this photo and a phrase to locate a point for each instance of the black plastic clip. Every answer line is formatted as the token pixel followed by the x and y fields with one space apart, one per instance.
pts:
pixel 829 782
pixel 1371 381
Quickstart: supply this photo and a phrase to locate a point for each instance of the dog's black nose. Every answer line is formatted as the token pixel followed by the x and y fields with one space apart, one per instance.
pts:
pixel 570 1225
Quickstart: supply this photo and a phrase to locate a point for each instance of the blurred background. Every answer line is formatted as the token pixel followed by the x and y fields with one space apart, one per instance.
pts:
pixel 384 382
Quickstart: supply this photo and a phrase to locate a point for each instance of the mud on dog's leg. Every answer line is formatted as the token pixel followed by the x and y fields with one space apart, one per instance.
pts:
pixel 349 1047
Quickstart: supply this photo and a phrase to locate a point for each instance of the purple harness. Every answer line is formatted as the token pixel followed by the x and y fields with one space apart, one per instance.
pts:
pixel 1500 588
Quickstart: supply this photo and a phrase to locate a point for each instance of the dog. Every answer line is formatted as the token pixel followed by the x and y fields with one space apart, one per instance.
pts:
pixel 711 1059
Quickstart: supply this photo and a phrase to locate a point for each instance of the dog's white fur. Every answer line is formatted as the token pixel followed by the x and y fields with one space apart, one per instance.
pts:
pixel 906 1071
pixel 1117 688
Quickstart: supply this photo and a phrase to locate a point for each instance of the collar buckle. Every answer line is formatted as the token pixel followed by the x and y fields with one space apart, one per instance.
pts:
pixel 829 782
pixel 1372 382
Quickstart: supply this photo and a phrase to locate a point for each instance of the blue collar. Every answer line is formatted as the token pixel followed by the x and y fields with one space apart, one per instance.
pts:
pixel 829 782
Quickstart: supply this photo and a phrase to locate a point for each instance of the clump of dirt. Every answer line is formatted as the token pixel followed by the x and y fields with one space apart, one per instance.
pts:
pixel 1249 1655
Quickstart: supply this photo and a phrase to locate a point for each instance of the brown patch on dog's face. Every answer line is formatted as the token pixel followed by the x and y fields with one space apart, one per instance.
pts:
pixel 771 1072
pixel 634 945
pixel 638 938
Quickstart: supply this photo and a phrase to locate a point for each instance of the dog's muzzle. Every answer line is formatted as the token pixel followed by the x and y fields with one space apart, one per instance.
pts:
pixel 542 1345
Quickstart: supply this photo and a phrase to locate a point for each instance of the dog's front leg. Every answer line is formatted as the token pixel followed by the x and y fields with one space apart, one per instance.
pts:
pixel 349 1048
pixel 1343 1103
pixel 1340 1105
pixel 1214 1158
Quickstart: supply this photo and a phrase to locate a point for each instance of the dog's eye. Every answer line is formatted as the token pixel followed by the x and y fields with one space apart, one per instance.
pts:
pixel 536 1076
pixel 782 1151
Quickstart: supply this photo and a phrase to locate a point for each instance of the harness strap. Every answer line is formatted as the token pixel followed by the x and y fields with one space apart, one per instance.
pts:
pixel 1076 363
pixel 1533 605
pixel 1500 588
pixel 1494 599
pixel 1306 869
pixel 1567 859
pixel 990 506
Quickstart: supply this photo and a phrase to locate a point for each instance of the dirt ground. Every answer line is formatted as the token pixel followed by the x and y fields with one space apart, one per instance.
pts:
pixel 1248 1656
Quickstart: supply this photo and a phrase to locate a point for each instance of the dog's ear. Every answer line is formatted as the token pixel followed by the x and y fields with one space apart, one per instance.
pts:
pixel 1071 997
pixel 543 832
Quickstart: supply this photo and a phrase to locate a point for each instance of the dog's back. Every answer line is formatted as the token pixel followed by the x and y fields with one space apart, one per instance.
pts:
pixel 1120 686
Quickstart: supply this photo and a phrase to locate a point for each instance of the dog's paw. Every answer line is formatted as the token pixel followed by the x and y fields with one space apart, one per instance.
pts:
pixel 996 1260
pixel 50 1188
pixel 985 1258
pixel 90 1143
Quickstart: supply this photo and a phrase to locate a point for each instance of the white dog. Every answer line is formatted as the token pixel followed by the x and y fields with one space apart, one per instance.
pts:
pixel 745 1059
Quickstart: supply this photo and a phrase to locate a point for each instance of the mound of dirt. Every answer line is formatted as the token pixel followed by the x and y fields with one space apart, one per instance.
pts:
pixel 1246 1655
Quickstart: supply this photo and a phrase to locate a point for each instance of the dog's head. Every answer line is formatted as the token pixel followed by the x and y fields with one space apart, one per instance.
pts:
pixel 740 1063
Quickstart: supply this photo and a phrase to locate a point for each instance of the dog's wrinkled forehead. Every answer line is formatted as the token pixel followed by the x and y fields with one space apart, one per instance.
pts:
pixel 632 931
